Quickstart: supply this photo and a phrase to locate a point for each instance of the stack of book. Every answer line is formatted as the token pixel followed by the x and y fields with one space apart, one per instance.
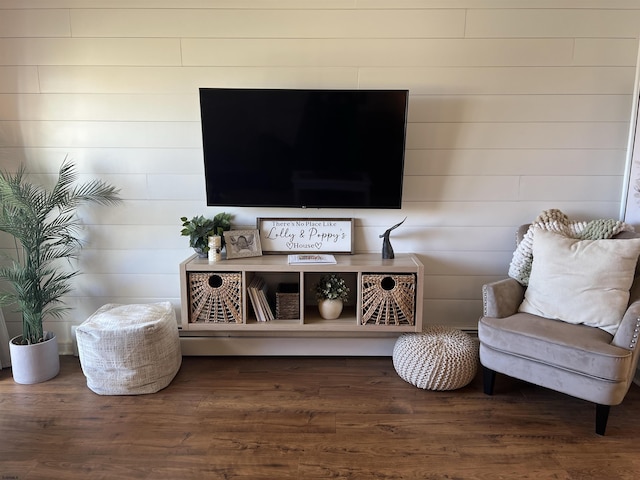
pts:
pixel 258 295
pixel 311 258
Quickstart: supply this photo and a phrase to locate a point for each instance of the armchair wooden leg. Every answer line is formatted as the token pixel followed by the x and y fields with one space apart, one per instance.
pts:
pixel 488 379
pixel 602 415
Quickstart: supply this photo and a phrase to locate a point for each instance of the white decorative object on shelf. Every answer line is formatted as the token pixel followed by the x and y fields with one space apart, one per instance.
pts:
pixel 215 248
pixel 330 309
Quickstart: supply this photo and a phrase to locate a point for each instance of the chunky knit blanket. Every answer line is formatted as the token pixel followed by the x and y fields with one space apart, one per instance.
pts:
pixel 555 221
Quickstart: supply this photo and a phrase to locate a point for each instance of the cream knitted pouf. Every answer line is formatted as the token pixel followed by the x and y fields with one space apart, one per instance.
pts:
pixel 129 349
pixel 440 358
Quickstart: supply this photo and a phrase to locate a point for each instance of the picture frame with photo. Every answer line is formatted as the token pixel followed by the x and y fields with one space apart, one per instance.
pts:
pixel 242 243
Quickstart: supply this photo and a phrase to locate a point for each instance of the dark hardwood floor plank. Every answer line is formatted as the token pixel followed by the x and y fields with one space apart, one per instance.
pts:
pixel 241 418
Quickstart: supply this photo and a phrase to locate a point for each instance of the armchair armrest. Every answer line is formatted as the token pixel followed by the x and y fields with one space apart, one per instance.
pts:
pixel 502 298
pixel 627 334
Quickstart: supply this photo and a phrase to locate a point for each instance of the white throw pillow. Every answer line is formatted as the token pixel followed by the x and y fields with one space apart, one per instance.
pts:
pixel 581 281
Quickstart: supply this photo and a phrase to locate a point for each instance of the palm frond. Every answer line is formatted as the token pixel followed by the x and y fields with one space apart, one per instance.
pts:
pixel 96 191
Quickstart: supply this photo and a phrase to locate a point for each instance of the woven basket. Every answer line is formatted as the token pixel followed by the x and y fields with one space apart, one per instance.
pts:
pixel 287 301
pixel 215 297
pixel 440 358
pixel 388 299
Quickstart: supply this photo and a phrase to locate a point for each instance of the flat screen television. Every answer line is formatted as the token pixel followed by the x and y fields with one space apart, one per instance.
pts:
pixel 303 148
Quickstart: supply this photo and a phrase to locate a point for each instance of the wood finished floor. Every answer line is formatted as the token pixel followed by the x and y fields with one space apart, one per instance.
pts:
pixel 307 418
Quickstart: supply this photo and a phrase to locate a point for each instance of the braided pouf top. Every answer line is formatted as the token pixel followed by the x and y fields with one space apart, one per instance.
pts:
pixel 440 358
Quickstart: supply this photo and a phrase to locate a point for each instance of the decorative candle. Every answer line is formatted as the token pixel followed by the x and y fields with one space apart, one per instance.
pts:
pixel 215 248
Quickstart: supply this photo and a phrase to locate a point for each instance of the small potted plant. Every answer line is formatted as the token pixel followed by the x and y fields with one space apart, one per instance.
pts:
pixel 331 292
pixel 44 224
pixel 200 228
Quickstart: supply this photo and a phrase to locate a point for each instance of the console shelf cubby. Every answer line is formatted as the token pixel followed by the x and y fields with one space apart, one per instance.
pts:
pixel 386 296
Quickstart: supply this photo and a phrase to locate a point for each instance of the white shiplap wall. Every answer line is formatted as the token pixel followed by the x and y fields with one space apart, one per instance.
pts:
pixel 515 107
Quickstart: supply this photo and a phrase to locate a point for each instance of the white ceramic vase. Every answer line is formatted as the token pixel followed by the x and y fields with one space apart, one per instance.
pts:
pixel 35 363
pixel 330 309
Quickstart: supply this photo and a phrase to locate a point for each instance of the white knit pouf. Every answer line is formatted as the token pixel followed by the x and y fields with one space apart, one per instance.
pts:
pixel 439 358
pixel 129 349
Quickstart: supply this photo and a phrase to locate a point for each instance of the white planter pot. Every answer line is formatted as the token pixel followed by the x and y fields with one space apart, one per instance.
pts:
pixel 330 309
pixel 35 363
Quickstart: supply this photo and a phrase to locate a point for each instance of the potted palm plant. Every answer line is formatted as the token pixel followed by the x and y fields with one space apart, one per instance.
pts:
pixel 44 225
pixel 331 293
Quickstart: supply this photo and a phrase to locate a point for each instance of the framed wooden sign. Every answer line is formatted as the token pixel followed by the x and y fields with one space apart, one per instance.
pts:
pixel 306 235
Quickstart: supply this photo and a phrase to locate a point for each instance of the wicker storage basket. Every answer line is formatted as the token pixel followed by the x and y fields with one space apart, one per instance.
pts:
pixel 215 297
pixel 287 301
pixel 388 299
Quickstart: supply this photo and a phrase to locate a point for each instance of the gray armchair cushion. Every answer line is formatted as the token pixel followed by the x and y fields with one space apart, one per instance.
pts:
pixel 578 348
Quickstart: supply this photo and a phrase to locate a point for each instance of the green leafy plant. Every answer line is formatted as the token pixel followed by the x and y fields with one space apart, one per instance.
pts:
pixel 199 228
pixel 44 224
pixel 332 287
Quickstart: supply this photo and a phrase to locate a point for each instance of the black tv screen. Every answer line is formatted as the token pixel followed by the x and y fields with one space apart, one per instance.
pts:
pixel 303 148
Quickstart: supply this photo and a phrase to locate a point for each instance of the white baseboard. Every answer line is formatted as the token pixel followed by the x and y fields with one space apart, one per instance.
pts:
pixel 67 348
pixel 293 346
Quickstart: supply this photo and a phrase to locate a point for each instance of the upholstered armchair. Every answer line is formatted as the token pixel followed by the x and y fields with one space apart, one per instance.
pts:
pixel 584 357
